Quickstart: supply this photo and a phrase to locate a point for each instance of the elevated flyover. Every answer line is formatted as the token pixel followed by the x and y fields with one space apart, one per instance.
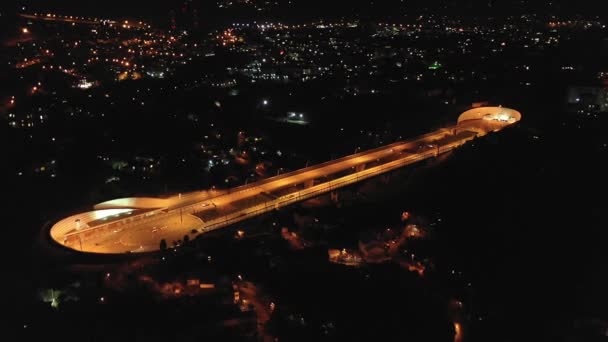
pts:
pixel 135 225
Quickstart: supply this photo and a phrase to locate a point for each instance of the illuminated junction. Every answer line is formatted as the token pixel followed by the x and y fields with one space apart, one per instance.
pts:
pixel 135 225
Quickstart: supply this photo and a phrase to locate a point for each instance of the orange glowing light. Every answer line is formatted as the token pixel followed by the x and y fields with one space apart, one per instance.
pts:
pixel 457 332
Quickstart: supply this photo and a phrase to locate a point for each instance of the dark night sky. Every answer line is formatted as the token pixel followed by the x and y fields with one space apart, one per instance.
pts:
pixel 147 8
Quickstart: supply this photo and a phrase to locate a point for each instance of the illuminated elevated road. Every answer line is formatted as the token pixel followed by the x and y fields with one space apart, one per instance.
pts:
pixel 65 19
pixel 136 225
pixel 69 19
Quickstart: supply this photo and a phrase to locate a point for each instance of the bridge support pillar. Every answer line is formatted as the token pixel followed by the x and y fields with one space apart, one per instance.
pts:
pixel 360 167
pixel 309 183
pixel 335 196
